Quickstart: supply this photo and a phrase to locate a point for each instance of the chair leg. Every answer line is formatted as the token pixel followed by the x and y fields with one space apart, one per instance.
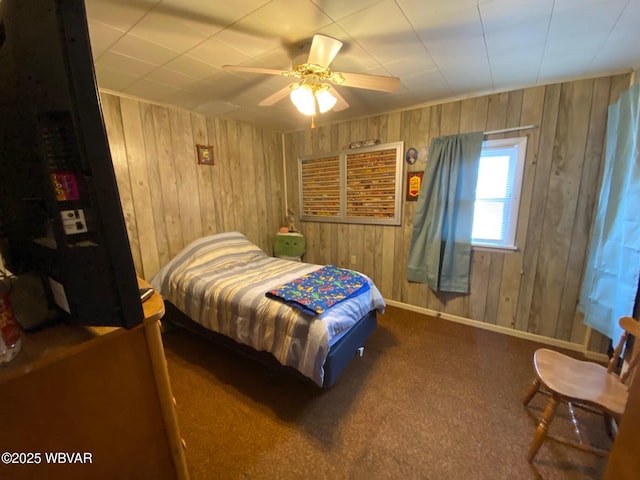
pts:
pixel 533 389
pixel 610 426
pixel 543 427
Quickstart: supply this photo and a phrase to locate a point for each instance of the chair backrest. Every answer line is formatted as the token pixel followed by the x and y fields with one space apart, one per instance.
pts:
pixel 630 326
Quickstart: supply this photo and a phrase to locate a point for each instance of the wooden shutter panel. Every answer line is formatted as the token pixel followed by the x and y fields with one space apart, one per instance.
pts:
pixel 321 186
pixel 371 184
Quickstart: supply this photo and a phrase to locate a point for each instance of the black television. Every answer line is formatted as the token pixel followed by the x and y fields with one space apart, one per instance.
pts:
pixel 60 211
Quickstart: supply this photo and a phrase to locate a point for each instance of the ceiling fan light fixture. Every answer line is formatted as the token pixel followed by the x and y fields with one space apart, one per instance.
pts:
pixel 326 101
pixel 302 97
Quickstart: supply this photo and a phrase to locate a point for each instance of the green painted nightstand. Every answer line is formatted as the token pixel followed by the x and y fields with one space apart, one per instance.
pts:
pixel 290 246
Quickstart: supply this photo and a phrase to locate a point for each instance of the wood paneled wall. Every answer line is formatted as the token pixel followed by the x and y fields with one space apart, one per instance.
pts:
pixel 169 200
pixel 534 289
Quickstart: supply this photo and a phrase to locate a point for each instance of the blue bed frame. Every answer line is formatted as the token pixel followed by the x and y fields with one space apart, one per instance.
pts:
pixel 339 356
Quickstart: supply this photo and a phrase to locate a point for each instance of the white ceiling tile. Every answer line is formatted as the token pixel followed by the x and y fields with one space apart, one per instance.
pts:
pixel 457 52
pixel 191 67
pixel 185 98
pixel 131 66
pixel 292 20
pixel 353 58
pixel 217 53
pixel 584 48
pixel 410 66
pixel 448 20
pixel 171 77
pixel 121 15
pixel 339 9
pixel 102 37
pixel 428 86
pixel 249 37
pixel 507 14
pixel 222 85
pixel 630 17
pixel 115 80
pixel 587 6
pixel 386 17
pixel 279 58
pixel 569 24
pixel 519 37
pixel 393 38
pixel 215 107
pixel 618 51
pixel 164 30
pixel 468 78
pixel 149 89
pixel 140 49
pixel 208 19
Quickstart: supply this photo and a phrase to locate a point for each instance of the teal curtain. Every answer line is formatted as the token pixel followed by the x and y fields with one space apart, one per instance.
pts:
pixel 610 281
pixel 440 251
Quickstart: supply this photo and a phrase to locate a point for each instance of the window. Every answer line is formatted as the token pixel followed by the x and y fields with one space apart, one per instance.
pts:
pixel 360 185
pixel 498 193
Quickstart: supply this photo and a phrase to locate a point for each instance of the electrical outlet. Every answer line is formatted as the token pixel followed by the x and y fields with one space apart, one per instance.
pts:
pixel 353 259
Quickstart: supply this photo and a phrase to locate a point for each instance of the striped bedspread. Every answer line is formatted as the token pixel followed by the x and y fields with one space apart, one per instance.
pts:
pixel 220 282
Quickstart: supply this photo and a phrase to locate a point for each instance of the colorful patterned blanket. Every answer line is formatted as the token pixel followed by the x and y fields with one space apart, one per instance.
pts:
pixel 319 290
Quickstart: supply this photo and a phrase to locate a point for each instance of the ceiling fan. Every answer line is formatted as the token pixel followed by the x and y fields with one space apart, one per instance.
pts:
pixel 313 90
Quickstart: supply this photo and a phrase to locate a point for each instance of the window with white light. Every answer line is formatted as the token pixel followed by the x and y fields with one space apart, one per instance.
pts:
pixel 498 190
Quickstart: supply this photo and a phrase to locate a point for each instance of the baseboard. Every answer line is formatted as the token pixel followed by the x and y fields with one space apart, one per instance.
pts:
pixel 554 342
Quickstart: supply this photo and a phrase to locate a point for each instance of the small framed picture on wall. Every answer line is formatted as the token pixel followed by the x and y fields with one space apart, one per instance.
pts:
pixel 205 155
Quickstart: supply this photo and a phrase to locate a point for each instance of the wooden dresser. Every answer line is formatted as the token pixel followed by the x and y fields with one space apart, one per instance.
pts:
pixel 101 408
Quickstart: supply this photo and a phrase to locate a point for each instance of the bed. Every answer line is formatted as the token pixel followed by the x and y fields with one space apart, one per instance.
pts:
pixel 227 285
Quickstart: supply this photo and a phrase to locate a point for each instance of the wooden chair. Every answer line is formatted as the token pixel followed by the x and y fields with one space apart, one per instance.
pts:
pixel 581 384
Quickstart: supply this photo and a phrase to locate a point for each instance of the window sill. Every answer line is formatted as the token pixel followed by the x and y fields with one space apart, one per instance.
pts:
pixel 482 247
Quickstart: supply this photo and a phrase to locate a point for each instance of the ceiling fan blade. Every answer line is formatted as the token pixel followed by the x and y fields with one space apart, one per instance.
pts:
pixel 323 50
pixel 266 71
pixel 370 82
pixel 341 103
pixel 275 97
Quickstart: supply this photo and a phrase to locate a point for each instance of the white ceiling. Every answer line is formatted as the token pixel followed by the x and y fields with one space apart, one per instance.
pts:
pixel 171 51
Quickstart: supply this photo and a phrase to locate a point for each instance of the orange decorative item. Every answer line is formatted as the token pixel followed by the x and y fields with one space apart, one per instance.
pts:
pixel 283 230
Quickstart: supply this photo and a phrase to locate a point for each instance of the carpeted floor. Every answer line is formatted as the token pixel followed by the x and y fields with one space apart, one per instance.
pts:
pixel 430 399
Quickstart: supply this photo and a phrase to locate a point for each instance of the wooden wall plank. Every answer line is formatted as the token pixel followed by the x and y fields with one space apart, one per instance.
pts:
pixel 185 162
pixel 155 191
pixel 140 189
pixel 536 214
pixel 234 170
pixel 259 186
pixel 246 174
pixel 562 197
pixel 514 108
pixel 168 180
pixel 570 325
pixel 114 128
pixel 204 174
pixel 512 269
pixel 473 118
pixel 224 177
pixel 416 133
pixel 497 106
